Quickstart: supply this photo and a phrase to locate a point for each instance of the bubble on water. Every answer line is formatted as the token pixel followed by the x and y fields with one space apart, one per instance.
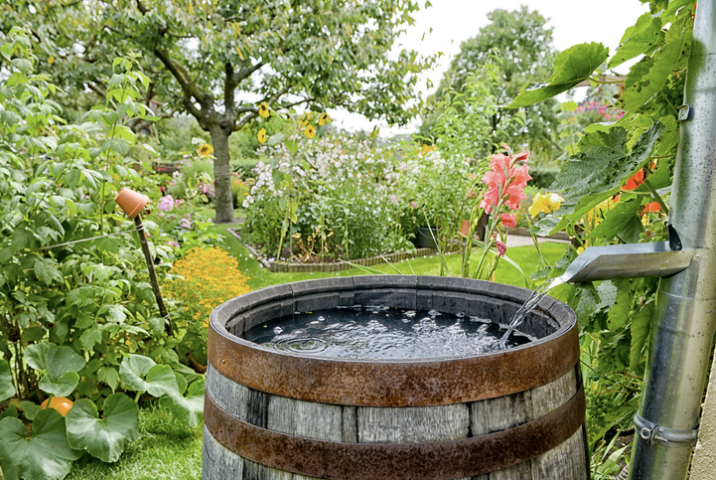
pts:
pixel 277 330
pixel 459 314
pixel 480 320
pixel 320 319
pixel 434 313
pixel 410 313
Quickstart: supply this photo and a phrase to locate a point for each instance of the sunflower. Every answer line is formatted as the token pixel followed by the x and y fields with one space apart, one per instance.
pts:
pixel 205 150
pixel 305 119
pixel 310 131
pixel 51 59
pixel 261 135
pixel 264 110
pixel 324 119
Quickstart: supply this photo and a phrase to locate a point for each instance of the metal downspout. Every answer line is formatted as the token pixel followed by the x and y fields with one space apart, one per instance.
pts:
pixel 685 317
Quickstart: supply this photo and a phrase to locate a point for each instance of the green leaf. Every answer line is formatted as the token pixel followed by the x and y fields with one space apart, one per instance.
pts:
pixel 588 301
pixel 46 271
pixel 141 374
pixel 21 237
pixel 617 217
pixel 46 455
pixel 104 438
pixel 7 389
pixel 647 77
pixel 544 226
pixel 187 408
pixel 30 409
pixel 640 326
pixel 603 163
pixel 639 42
pixel 60 386
pixel 619 313
pixel 90 338
pixel 109 376
pixel 571 67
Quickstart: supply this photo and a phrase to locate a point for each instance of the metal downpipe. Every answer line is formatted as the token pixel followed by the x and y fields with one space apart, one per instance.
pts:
pixel 685 318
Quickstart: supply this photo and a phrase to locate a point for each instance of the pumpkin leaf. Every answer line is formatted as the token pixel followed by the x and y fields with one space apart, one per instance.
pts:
pixel 188 408
pixel 59 364
pixel 7 389
pixel 104 438
pixel 45 455
pixel 142 374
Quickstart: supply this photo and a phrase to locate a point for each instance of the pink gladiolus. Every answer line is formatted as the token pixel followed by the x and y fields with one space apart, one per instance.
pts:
pixel 501 248
pixel 505 181
pixel 509 220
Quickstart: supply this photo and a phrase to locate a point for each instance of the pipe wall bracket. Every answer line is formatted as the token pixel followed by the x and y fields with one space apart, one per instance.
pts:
pixel 669 437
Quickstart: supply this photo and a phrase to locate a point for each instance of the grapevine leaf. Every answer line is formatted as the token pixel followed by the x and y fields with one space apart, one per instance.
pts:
pixel 46 455
pixel 7 389
pixel 619 313
pixel 641 84
pixel 588 301
pixel 640 325
pixel 104 438
pixel 571 67
pixel 639 42
pixel 189 407
pixel 603 163
pixel 617 218
pixel 632 230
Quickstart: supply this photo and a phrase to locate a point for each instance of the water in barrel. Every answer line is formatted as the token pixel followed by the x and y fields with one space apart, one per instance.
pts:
pixel 381 332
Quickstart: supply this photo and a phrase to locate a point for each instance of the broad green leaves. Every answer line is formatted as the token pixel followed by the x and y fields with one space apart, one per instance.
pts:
pixel 142 374
pixel 45 455
pixel 603 163
pixel 187 406
pixel 104 438
pixel 7 389
pixel 60 365
pixel 645 35
pixel 571 67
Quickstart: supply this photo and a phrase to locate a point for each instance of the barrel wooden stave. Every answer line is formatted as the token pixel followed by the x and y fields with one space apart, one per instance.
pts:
pixel 344 423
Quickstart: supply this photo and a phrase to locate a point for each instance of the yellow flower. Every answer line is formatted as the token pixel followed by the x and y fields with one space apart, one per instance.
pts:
pixel 547 203
pixel 261 135
pixel 51 59
pixel 205 150
pixel 324 119
pixel 264 110
pixel 580 250
pixel 310 132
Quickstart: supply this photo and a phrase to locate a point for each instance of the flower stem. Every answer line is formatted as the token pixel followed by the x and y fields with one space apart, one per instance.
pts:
pixel 656 196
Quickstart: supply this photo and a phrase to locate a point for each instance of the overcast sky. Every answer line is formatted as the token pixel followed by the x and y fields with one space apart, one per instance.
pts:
pixel 453 21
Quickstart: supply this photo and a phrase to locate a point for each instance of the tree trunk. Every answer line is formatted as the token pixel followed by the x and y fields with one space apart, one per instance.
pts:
pixel 223 202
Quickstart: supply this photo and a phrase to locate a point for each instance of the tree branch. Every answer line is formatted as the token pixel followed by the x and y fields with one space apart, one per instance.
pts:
pixel 97 89
pixel 245 72
pixel 190 89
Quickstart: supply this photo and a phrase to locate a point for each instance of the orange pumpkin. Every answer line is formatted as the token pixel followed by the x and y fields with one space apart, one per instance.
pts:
pixel 61 404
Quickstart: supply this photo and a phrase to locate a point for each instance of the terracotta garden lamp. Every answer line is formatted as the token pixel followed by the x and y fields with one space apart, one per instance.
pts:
pixel 131 202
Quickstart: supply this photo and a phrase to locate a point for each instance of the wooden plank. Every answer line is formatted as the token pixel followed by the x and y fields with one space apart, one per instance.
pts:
pixel 218 462
pixel 413 424
pixel 229 395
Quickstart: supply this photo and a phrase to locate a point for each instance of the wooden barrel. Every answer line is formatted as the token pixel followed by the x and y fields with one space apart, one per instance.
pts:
pixel 513 414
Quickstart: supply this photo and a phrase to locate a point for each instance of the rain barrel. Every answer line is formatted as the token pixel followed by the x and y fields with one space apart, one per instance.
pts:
pixel 513 414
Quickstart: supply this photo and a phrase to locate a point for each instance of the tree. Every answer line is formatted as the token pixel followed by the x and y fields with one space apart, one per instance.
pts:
pixel 224 58
pixel 519 44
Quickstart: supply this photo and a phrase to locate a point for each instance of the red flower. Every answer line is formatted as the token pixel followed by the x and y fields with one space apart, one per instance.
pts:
pixel 501 248
pixel 652 207
pixel 505 181
pixel 509 220
pixel 636 180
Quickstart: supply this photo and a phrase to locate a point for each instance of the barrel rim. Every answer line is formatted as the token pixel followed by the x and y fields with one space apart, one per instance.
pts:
pixel 391 382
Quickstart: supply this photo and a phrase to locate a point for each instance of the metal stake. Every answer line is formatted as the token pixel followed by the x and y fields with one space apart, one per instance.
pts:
pixel 685 317
pixel 152 273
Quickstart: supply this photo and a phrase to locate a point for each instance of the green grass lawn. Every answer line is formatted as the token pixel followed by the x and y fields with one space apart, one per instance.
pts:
pixel 167 450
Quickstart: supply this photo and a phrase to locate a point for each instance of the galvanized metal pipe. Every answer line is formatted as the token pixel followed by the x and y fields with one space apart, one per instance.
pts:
pixel 685 319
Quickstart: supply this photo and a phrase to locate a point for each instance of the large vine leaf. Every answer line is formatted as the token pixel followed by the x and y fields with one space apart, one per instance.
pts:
pixel 571 67
pixel 45 455
pixel 646 35
pixel 597 171
pixel 104 438
pixel 647 77
pixel 187 407
pixel 142 374
pixel 7 389
pixel 60 365
pixel 619 313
